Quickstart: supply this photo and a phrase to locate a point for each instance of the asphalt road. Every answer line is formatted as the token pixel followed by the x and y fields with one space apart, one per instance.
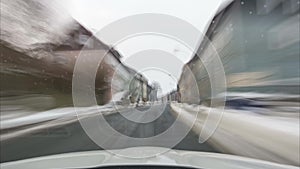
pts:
pixel 72 138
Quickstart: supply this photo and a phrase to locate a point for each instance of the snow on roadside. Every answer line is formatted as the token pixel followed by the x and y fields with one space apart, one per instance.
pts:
pixel 249 134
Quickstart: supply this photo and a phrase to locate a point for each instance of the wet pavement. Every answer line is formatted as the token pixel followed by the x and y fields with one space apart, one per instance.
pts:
pixel 72 138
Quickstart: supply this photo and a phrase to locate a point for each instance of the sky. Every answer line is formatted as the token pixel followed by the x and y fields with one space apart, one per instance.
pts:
pixel 158 58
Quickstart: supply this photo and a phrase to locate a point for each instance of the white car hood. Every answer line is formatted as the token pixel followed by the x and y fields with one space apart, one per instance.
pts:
pixel 99 158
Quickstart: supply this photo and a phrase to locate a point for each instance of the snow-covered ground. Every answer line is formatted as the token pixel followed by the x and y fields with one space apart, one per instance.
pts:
pixel 246 133
pixel 27 122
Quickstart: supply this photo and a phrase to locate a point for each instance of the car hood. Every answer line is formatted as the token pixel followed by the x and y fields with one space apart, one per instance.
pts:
pixel 193 159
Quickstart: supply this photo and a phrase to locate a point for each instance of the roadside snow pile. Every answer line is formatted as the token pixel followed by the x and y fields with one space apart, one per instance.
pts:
pixel 246 133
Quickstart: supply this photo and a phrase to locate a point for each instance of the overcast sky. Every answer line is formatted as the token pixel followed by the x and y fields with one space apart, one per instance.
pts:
pixel 167 56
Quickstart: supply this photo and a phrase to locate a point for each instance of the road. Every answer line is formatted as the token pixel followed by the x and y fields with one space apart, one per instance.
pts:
pixel 72 138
